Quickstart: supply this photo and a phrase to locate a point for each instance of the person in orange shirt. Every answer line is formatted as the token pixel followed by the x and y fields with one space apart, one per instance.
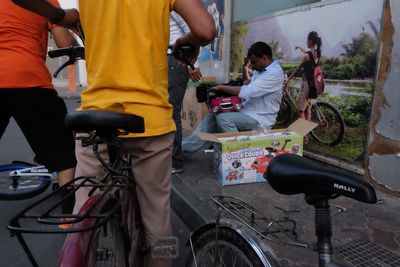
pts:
pixel 26 90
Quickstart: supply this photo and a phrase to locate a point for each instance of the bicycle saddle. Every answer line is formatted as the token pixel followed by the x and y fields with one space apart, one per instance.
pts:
pixel 291 174
pixel 104 121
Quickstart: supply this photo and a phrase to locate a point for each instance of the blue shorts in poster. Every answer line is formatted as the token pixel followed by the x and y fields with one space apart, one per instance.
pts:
pixel 214 50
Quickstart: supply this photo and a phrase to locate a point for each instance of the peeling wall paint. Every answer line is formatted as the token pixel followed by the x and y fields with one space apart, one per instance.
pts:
pixel 383 148
pixel 389 122
pixel 387 176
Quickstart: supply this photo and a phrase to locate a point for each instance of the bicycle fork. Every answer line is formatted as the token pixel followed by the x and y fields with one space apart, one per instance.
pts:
pixel 321 117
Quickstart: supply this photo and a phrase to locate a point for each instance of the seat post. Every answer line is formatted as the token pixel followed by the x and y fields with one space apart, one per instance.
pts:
pixel 323 228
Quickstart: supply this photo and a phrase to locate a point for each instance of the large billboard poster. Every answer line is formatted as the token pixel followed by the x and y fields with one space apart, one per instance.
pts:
pixel 350 37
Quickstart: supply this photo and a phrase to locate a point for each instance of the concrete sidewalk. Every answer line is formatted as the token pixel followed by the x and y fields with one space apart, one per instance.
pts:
pixel 363 235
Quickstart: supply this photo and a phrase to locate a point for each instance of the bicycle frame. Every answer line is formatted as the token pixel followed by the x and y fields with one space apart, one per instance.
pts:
pixel 289 95
pixel 321 117
pixel 33 171
pixel 113 196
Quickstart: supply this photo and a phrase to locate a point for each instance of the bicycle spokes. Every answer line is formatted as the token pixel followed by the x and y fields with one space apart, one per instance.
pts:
pixel 330 129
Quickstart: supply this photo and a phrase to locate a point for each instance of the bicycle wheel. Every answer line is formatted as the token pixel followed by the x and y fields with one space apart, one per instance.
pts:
pixel 21 187
pixel 330 129
pixel 233 250
pixel 284 112
pixel 106 246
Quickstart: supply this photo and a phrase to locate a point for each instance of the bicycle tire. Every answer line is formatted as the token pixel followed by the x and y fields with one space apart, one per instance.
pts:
pixel 330 129
pixel 285 111
pixel 106 246
pixel 233 249
pixel 32 185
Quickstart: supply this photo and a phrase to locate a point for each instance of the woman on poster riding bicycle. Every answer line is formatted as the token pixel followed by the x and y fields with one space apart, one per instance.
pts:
pixel 307 90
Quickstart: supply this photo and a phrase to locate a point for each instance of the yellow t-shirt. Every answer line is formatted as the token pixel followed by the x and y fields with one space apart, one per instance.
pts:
pixel 126 44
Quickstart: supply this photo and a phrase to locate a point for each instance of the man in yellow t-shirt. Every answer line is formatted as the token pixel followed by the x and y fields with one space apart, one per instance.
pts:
pixel 126 45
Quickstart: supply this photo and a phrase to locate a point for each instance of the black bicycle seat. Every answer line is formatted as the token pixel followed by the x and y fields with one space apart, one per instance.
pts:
pixel 291 174
pixel 104 122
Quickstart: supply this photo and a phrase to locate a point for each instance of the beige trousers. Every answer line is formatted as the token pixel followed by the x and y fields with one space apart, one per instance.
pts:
pixel 151 166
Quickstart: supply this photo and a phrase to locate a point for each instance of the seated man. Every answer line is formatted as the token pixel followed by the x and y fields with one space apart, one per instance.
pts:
pixel 261 96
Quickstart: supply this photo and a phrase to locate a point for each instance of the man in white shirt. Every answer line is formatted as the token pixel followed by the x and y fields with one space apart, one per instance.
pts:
pixel 178 77
pixel 261 95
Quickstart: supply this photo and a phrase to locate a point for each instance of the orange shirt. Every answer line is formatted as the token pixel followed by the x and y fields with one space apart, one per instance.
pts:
pixel 23 47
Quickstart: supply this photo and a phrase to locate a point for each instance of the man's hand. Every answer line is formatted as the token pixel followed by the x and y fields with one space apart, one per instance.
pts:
pixel 216 88
pixel 246 62
pixel 195 75
pixel 70 20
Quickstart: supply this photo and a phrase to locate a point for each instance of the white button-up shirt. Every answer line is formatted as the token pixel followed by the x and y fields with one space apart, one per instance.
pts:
pixel 177 27
pixel 262 96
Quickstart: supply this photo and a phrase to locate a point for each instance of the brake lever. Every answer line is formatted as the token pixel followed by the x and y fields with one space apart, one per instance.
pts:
pixel 69 62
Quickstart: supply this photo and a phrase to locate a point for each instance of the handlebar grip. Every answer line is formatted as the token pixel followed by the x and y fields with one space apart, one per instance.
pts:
pixel 77 52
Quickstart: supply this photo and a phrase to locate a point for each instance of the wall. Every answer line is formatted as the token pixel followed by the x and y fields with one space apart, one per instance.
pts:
pixel 245 9
pixel 383 149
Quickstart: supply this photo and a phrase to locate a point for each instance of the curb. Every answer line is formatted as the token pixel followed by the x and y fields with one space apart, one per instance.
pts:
pixel 342 164
pixel 188 206
pixel 69 97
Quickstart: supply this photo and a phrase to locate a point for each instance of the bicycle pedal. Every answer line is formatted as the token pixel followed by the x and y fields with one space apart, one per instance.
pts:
pixel 165 248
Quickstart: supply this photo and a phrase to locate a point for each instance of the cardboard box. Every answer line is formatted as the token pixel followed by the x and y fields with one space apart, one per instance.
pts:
pixel 192 111
pixel 243 157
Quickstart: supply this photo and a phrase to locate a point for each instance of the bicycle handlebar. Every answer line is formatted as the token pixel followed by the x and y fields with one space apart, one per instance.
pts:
pixel 78 52
pixel 73 52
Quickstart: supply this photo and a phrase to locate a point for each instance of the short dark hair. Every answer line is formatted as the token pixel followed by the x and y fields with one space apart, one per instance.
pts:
pixel 260 49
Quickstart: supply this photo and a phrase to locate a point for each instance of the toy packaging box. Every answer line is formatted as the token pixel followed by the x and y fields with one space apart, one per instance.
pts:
pixel 243 157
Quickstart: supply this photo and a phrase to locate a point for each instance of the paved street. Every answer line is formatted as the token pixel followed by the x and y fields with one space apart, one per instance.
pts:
pixel 13 146
pixel 365 235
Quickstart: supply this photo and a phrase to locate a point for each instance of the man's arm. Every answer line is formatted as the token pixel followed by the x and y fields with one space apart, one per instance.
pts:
pixel 63 37
pixel 66 18
pixel 265 84
pixel 200 22
pixel 233 90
